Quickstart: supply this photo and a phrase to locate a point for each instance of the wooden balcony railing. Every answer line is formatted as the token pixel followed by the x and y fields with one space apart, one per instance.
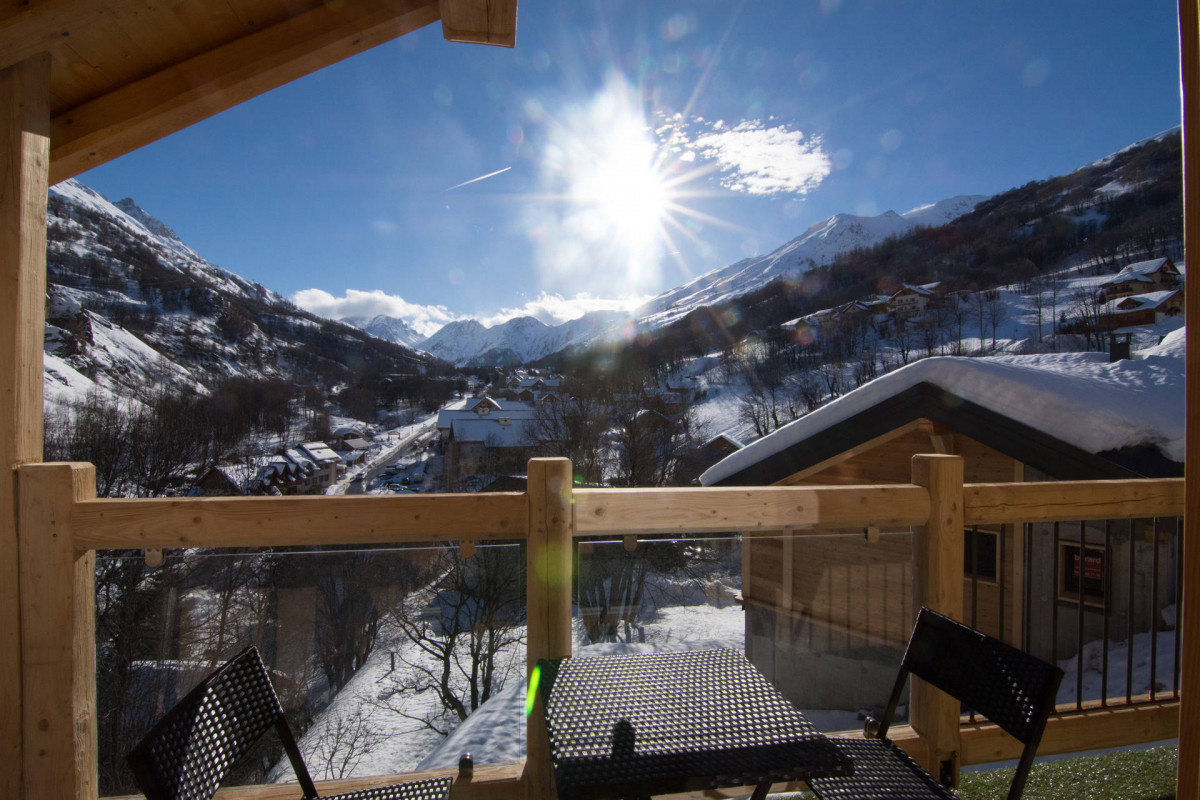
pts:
pixel 62 525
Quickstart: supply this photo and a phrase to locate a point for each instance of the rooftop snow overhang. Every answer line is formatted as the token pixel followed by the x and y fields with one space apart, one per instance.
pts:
pixel 1030 446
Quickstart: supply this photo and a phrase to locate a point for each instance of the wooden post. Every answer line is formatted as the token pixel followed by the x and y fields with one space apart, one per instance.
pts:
pixel 548 599
pixel 58 604
pixel 24 170
pixel 1188 774
pixel 938 584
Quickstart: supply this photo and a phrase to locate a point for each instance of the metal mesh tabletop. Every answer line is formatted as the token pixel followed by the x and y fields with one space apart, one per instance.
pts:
pixel 657 723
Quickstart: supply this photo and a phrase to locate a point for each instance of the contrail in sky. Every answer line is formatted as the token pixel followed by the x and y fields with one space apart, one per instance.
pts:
pixel 480 178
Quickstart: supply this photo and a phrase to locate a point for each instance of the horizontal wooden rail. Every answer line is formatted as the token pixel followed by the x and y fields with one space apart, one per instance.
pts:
pixel 775 508
pixel 1075 731
pixel 1072 500
pixel 298 521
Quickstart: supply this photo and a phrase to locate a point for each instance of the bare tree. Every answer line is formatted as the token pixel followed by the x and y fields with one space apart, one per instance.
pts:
pixel 347 738
pixel 995 310
pixel 573 427
pixel 466 628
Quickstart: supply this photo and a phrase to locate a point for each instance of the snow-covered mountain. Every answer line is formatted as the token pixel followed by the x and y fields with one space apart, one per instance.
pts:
pixel 519 340
pixel 390 329
pixel 525 339
pixel 131 309
pixel 816 247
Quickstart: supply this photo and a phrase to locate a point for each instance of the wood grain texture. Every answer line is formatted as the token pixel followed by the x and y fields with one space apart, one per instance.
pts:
pixel 24 156
pixel 177 95
pixel 58 686
pixel 620 511
pixel 296 521
pixel 493 22
pixel 548 601
pixel 1073 500
pixel 938 584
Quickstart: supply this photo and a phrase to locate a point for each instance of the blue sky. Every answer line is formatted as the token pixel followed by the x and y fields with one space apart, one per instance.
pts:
pixel 632 146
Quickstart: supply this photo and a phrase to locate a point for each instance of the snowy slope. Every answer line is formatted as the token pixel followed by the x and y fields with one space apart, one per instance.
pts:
pixel 816 247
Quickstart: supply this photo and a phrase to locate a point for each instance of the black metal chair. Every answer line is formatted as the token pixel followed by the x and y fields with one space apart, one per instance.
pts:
pixel 1008 686
pixel 187 754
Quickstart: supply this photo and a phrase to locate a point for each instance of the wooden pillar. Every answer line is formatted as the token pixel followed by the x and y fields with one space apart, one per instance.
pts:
pixel 1188 775
pixel 58 654
pixel 938 584
pixel 24 170
pixel 548 599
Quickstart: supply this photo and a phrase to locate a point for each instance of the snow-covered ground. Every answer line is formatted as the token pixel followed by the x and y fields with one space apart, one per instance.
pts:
pixel 495 733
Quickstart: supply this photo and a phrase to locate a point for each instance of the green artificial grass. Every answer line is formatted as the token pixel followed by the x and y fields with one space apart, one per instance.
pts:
pixel 1128 775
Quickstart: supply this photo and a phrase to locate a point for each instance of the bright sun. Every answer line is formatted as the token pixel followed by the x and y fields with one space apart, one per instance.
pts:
pixel 620 186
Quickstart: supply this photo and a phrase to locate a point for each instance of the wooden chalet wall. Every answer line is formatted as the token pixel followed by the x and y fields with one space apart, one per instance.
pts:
pixel 845 602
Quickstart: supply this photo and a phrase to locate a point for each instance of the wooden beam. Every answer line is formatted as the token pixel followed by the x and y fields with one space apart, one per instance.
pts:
pixel 937 584
pixel 185 93
pixel 24 156
pixel 480 21
pixel 1188 775
pixel 1071 731
pixel 295 521
pixel 751 511
pixel 548 568
pixel 1074 500
pixel 58 647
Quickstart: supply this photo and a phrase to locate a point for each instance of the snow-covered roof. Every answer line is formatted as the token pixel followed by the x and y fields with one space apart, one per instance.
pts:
pixel 1077 398
pixel 301 459
pixel 320 452
pixel 1138 302
pixel 518 433
pixel 1138 272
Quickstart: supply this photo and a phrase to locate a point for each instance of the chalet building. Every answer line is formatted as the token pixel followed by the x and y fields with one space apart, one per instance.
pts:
pixel 1159 274
pixel 835 609
pixel 489 445
pixel 272 475
pixel 1141 309
pixel 911 300
pixel 328 463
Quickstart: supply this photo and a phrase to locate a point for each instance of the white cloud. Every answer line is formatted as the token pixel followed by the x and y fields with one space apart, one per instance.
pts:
pixel 554 309
pixel 764 161
pixel 356 303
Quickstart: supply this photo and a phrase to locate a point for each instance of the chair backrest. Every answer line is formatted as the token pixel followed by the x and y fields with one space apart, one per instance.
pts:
pixel 187 754
pixel 1013 689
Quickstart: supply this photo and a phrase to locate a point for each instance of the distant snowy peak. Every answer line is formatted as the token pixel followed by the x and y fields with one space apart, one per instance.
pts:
pixel 816 247
pixel 154 225
pixel 390 329
pixel 944 211
pixel 519 340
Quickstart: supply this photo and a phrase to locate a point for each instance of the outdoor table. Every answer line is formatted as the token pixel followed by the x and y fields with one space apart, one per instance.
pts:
pixel 638 725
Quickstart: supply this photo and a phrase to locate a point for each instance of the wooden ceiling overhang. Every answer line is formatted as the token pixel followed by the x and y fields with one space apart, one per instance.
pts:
pixel 125 73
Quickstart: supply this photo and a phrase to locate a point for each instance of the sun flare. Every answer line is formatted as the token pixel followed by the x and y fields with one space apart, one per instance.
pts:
pixel 618 193
pixel 622 187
